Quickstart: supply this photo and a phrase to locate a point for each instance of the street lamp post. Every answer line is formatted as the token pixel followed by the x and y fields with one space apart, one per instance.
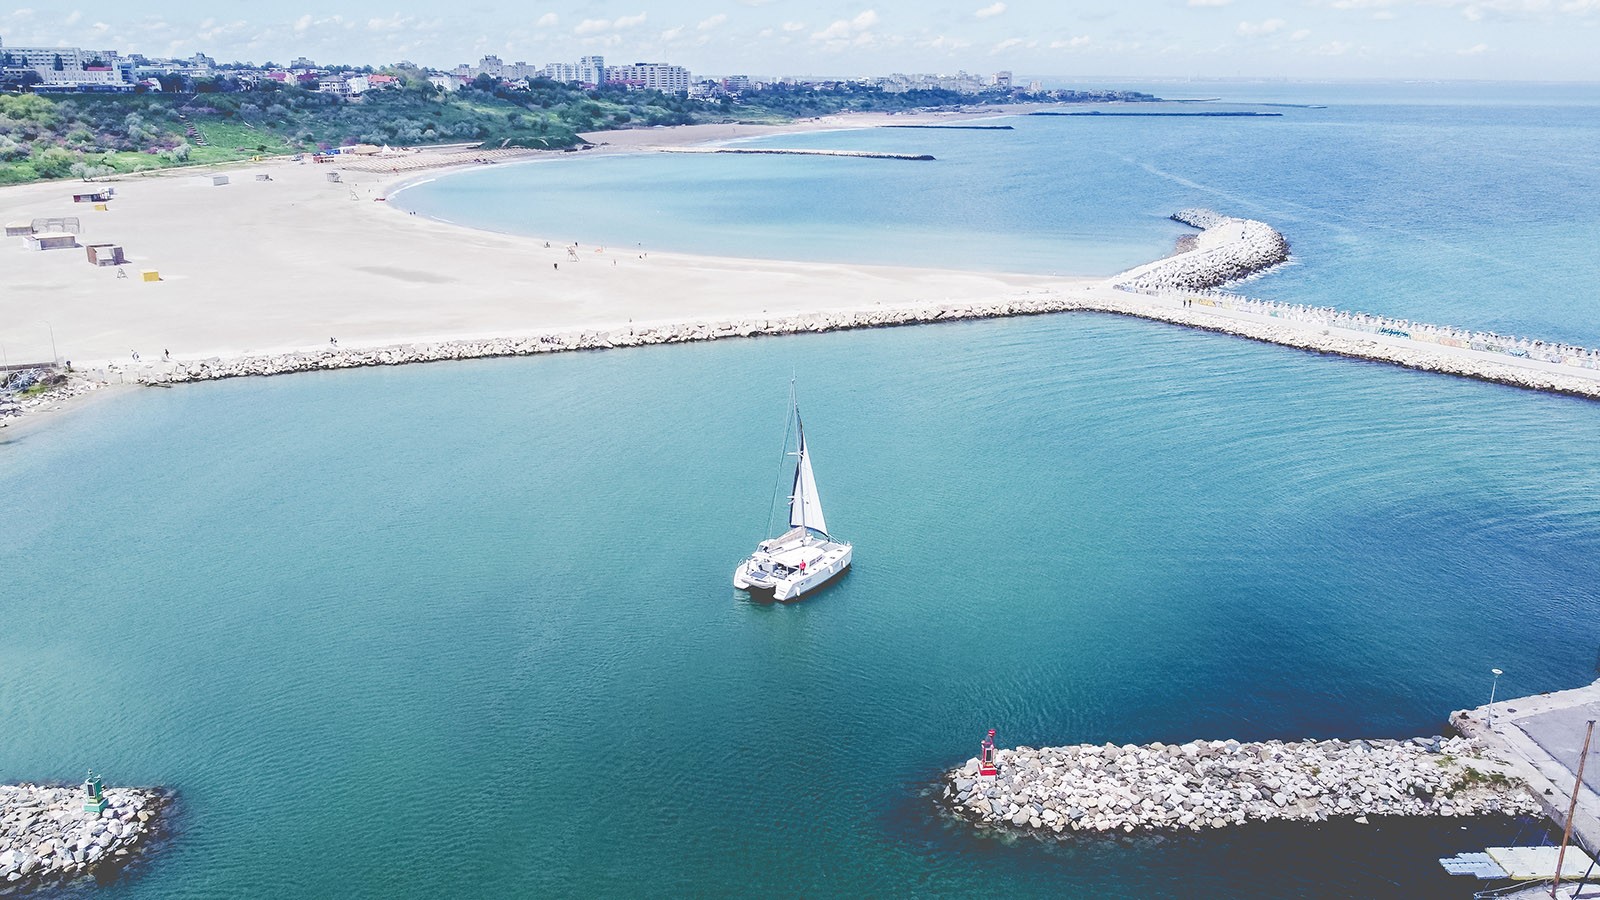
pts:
pixel 55 358
pixel 1492 685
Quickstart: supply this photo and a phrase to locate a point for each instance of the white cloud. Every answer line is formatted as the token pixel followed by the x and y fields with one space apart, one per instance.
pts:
pixel 794 26
pixel 1361 4
pixel 1258 29
pixel 990 11
pixel 1213 3
pixel 601 26
pixel 1007 44
pixel 548 20
pixel 75 17
pixel 672 34
pixel 1300 35
pixel 943 42
pixel 1475 50
pixel 302 23
pixel 1072 43
pixel 711 22
pixel 844 29
pixel 1334 48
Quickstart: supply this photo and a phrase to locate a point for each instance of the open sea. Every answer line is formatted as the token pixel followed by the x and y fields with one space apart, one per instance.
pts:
pixel 466 629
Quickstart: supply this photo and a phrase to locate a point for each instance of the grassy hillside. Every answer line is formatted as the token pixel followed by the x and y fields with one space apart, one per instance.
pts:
pixel 43 136
pixel 87 135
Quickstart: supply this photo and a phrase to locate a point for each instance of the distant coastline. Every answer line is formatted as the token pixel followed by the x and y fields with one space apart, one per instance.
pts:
pixel 1212 114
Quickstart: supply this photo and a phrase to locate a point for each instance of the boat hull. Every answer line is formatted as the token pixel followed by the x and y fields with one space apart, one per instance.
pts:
pixel 793 586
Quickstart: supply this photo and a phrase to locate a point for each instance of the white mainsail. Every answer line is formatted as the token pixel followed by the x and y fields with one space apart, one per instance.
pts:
pixel 805 507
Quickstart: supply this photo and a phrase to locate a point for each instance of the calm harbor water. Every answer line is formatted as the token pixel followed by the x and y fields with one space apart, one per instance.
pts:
pixel 467 629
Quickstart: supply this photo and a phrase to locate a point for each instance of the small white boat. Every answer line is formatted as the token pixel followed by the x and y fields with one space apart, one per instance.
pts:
pixel 805 556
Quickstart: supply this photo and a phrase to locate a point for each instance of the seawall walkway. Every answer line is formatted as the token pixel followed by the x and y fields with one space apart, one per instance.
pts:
pixel 1542 736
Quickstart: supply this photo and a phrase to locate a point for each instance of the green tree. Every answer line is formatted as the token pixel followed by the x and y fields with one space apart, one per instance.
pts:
pixel 53 162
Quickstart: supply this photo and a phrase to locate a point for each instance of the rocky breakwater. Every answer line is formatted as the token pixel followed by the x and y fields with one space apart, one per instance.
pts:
pixel 1226 250
pixel 558 342
pixel 47 837
pixel 1213 784
pixel 779 151
pixel 23 393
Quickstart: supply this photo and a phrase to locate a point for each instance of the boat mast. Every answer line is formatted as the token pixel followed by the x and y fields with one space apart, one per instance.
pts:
pixel 799 461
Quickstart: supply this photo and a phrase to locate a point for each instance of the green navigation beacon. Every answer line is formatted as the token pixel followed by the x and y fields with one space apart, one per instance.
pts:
pixel 94 801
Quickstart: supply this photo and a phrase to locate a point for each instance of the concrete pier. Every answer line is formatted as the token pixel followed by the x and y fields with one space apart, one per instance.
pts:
pixel 1541 736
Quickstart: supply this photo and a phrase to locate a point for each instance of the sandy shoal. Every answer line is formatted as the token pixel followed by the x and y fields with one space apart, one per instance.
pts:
pixel 255 267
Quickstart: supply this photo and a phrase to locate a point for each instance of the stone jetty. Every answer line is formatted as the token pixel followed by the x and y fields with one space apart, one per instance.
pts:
pixel 47 837
pixel 1214 784
pixel 776 151
pixel 1227 250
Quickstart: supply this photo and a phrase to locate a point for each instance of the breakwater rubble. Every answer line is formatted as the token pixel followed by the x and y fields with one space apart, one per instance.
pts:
pixel 956 127
pixel 33 390
pixel 1227 250
pixel 47 837
pixel 1214 784
pixel 776 151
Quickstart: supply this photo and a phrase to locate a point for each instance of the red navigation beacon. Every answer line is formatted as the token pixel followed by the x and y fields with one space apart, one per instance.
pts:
pixel 987 768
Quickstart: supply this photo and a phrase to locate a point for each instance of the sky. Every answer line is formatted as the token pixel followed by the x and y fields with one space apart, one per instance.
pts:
pixel 1519 40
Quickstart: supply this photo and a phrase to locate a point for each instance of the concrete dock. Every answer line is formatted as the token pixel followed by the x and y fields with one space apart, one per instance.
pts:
pixel 1540 737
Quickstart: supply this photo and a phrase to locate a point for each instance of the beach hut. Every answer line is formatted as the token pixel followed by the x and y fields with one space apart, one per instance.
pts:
pixel 57 223
pixel 217 180
pixel 19 229
pixel 51 241
pixel 105 255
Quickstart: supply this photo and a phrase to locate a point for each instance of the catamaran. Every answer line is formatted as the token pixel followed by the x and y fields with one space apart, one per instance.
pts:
pixel 805 556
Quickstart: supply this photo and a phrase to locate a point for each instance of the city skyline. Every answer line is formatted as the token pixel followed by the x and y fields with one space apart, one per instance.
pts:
pixel 1315 39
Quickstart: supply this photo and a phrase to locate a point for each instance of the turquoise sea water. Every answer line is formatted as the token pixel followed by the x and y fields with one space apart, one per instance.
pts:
pixel 467 629
pixel 1472 205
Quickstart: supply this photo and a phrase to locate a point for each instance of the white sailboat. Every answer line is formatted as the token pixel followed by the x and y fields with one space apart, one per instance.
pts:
pixel 805 556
